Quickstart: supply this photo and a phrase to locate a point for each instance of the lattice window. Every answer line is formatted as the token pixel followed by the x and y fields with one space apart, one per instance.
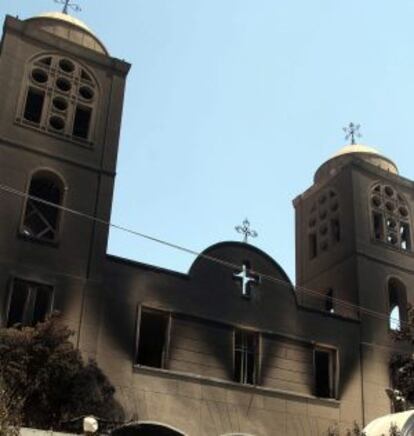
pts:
pixel 41 220
pixel 324 227
pixel 60 97
pixel 390 217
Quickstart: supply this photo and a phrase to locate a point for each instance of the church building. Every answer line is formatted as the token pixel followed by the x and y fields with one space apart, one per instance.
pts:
pixel 232 347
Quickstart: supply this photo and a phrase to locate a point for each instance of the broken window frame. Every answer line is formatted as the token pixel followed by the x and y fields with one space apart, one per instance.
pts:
pixel 166 346
pixel 33 207
pixel 29 307
pixel 333 364
pixel 245 352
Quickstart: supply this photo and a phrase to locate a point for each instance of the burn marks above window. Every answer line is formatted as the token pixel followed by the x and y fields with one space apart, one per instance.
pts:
pixel 324 229
pixel 60 98
pixel 390 217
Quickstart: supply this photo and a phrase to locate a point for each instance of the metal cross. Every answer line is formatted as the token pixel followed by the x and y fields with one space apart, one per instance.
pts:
pixel 352 131
pixel 245 229
pixel 245 278
pixel 68 4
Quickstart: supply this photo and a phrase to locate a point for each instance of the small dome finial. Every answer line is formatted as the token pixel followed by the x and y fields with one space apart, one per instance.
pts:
pixel 68 4
pixel 352 131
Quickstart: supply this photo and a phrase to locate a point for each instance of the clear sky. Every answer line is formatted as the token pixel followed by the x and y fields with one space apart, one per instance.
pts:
pixel 231 105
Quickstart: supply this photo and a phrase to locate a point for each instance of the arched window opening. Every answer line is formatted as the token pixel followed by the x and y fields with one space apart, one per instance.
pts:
pixel 390 217
pixel 60 98
pixel 395 323
pixel 397 304
pixel 41 220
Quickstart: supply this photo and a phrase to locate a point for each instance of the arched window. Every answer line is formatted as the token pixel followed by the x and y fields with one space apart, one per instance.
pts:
pixel 397 310
pixel 59 97
pixel 41 220
pixel 390 217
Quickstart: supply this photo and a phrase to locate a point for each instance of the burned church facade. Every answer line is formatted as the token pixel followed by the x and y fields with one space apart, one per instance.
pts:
pixel 233 347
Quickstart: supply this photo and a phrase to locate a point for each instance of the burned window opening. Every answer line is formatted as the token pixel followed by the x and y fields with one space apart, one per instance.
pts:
pixel 41 220
pixel 152 342
pixel 324 373
pixel 245 357
pixel 397 302
pixel 30 303
pixel 82 122
pixel 34 105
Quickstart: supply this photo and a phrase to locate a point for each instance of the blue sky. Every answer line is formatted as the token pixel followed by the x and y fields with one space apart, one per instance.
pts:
pixel 231 105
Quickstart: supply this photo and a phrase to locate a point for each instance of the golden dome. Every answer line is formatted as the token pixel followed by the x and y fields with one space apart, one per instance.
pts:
pixel 68 27
pixel 67 18
pixel 357 151
pixel 356 148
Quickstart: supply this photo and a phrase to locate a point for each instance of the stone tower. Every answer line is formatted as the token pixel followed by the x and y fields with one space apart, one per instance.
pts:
pixel 354 243
pixel 60 119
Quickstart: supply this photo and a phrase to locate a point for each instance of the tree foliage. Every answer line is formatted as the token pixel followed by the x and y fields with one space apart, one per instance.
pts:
pixel 47 380
pixel 402 364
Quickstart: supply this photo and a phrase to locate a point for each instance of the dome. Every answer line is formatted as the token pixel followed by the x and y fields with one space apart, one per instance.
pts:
pixel 350 152
pixel 68 27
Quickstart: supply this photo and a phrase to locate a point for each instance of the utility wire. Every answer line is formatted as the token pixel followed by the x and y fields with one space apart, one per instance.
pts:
pixel 227 264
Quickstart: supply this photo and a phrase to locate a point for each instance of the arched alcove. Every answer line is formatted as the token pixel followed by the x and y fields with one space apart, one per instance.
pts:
pixel 147 429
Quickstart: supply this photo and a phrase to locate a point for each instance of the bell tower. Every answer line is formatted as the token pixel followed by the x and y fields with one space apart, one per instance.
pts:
pixel 354 250
pixel 60 118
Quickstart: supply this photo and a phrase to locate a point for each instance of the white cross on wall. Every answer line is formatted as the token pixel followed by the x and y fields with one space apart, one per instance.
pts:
pixel 245 278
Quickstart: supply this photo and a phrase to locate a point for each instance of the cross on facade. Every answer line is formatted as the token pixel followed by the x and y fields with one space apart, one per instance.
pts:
pixel 246 279
pixel 352 132
pixel 245 229
pixel 68 4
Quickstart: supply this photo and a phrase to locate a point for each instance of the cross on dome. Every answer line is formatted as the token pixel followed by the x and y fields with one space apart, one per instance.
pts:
pixel 68 4
pixel 246 279
pixel 352 131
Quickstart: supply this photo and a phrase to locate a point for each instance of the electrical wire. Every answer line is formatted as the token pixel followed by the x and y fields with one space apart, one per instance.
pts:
pixel 337 301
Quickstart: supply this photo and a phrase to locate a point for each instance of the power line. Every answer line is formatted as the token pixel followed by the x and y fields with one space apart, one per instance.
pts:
pixel 227 264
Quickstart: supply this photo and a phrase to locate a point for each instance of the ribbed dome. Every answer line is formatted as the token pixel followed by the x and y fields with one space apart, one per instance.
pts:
pixel 68 27
pixel 350 152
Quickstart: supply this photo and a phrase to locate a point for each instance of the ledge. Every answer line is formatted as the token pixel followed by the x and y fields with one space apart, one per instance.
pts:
pixel 166 373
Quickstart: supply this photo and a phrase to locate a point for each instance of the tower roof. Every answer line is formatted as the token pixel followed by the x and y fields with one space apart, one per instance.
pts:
pixel 354 151
pixel 68 27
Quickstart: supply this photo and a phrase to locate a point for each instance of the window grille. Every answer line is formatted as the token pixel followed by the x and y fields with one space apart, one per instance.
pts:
pixel 59 97
pixel 390 217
